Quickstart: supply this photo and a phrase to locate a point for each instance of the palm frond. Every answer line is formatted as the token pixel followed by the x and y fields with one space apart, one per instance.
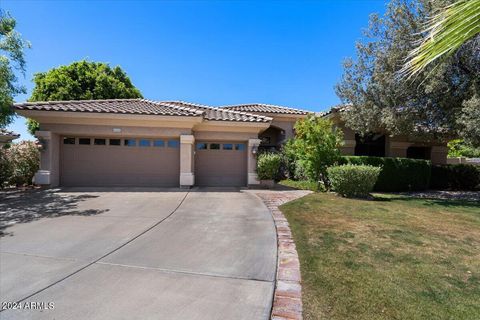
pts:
pixel 445 33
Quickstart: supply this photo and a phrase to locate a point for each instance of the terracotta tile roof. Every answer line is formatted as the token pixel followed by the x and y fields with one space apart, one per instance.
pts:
pixel 221 114
pixel 266 108
pixel 6 133
pixel 145 107
pixel 121 106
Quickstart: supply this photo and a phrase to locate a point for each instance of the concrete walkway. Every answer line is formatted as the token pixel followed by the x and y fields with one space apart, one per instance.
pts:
pixel 137 254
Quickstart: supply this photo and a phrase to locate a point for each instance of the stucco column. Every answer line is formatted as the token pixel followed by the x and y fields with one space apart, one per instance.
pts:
pixel 187 176
pixel 252 161
pixel 49 172
pixel 439 155
pixel 348 148
pixel 397 149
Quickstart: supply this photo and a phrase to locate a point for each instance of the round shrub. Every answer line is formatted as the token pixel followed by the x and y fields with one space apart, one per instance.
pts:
pixel 353 180
pixel 268 166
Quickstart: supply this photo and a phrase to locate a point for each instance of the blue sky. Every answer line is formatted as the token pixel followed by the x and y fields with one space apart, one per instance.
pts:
pixel 209 52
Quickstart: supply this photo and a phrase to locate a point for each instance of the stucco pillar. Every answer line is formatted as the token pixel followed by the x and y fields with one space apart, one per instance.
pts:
pixel 187 176
pixel 49 172
pixel 439 154
pixel 348 148
pixel 252 161
pixel 397 149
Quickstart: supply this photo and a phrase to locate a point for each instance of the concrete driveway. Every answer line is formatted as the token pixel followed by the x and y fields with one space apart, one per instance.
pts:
pixel 136 254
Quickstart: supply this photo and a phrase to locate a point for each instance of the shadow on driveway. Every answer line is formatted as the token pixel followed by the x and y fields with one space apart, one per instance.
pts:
pixel 21 206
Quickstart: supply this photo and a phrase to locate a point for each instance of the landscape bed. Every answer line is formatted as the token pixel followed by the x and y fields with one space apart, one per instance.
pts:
pixel 396 257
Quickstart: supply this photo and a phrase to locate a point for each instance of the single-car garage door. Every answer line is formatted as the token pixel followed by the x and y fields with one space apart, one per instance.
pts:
pixel 220 163
pixel 90 161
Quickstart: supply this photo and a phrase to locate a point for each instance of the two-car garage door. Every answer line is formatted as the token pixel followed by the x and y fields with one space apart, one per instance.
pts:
pixel 99 161
pixel 90 161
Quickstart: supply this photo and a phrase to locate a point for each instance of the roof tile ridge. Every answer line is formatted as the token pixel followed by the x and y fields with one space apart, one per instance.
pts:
pixel 223 110
pixel 238 112
pixel 171 104
pixel 26 103
pixel 264 105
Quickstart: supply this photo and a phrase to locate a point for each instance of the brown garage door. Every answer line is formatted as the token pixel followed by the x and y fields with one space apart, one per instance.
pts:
pixel 220 163
pixel 89 161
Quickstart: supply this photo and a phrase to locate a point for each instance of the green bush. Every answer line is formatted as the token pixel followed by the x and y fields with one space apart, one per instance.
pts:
pixel 455 177
pixel 353 180
pixel 5 168
pixel 18 164
pixel 460 148
pixel 268 166
pixel 314 148
pixel 397 174
pixel 288 160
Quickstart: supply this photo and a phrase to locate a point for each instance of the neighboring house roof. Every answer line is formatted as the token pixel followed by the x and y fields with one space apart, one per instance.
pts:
pixel 266 108
pixel 7 136
pixel 144 107
pixel 337 108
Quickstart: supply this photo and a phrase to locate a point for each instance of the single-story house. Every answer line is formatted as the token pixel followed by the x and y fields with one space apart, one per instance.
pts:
pixel 385 145
pixel 7 136
pixel 138 142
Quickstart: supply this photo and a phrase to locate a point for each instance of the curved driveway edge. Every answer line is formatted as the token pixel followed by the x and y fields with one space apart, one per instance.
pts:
pixel 287 303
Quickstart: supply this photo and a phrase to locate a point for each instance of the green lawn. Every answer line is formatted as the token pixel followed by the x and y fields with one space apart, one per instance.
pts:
pixel 391 258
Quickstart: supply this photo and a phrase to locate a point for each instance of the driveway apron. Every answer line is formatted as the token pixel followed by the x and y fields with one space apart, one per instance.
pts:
pixel 146 254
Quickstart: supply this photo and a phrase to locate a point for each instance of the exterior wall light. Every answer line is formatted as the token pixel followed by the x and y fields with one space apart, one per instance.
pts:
pixel 254 150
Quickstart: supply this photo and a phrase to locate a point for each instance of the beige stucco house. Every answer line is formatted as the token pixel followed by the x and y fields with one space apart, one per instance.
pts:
pixel 385 145
pixel 138 142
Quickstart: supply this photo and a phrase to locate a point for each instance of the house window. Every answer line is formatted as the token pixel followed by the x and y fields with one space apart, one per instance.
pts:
pixel 214 146
pixel 202 146
pixel 419 153
pixel 130 142
pixel 99 142
pixel 68 140
pixel 158 143
pixel 370 145
pixel 240 146
pixel 114 142
pixel 173 143
pixel 144 143
pixel 227 146
pixel 84 141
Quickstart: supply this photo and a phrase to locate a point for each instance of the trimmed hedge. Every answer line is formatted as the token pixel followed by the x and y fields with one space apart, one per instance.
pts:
pixel 397 174
pixel 353 180
pixel 455 177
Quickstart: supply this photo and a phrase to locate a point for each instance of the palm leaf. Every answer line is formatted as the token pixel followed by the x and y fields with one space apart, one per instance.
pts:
pixel 445 33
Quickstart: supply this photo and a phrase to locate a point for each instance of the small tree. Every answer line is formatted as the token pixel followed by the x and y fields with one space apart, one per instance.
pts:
pixel 12 60
pixel 81 80
pixel 316 146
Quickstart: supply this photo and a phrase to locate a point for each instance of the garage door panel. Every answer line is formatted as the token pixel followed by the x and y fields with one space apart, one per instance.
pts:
pixel 92 165
pixel 220 167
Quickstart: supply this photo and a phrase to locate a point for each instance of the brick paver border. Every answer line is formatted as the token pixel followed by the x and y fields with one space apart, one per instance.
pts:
pixel 287 300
